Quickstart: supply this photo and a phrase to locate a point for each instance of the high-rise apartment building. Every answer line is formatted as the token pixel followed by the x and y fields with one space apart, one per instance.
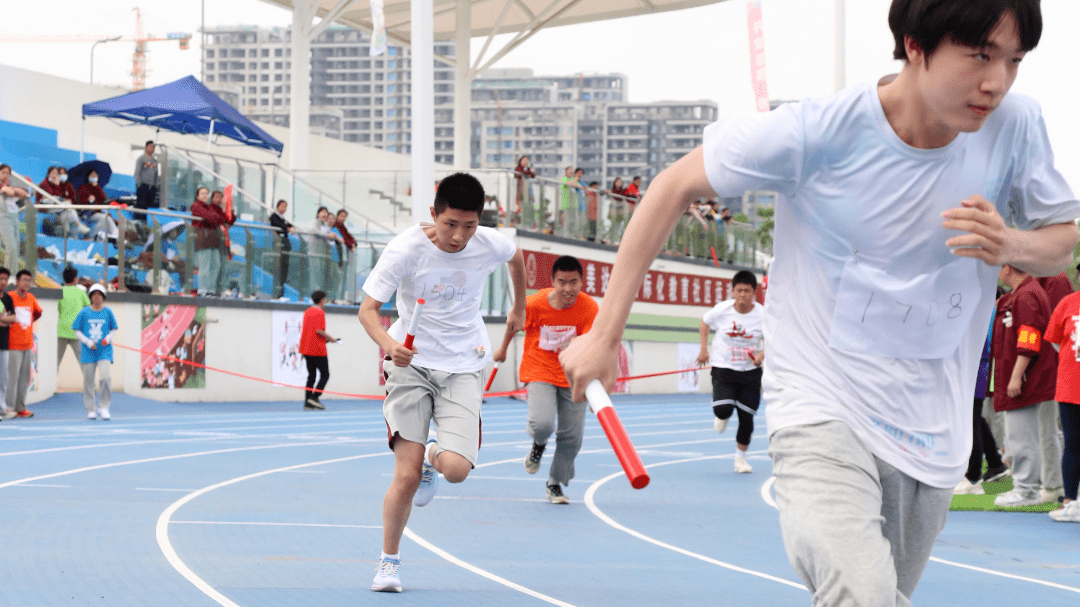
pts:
pixel 584 120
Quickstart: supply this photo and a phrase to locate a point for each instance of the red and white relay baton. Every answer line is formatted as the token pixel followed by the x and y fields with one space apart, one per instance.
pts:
pixel 414 324
pixel 491 377
pixel 600 403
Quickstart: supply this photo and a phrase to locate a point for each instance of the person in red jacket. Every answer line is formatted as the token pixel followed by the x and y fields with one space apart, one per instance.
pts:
pixel 91 193
pixel 1056 287
pixel 1025 377
pixel 210 231
pixel 55 184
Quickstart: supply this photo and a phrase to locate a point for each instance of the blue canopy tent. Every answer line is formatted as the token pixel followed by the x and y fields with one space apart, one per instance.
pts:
pixel 184 106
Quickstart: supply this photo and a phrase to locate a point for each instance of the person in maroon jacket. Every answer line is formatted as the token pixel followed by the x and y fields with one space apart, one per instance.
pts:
pixel 1057 288
pixel 1025 377
pixel 55 184
pixel 209 239
pixel 91 193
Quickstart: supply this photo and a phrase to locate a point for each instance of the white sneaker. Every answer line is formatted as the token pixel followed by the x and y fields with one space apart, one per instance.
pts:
pixel 104 414
pixel 386 576
pixel 966 487
pixel 1069 514
pixel 1017 498
pixel 9 414
pixel 91 415
pixel 742 466
pixel 720 424
pixel 1052 495
pixel 429 481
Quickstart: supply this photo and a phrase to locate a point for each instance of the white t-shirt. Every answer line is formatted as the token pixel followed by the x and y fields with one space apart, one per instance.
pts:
pixel 738 336
pixel 872 320
pixel 451 284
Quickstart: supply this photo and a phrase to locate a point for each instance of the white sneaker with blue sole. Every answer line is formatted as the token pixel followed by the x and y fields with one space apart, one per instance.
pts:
pixel 386 576
pixel 429 480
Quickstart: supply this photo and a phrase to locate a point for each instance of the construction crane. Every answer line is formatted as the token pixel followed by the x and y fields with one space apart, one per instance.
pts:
pixel 138 64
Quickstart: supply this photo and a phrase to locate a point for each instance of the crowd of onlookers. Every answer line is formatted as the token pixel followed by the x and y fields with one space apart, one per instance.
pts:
pixel 1030 379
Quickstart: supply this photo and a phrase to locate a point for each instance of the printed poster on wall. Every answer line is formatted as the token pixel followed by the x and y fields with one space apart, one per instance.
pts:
pixel 690 380
pixel 287 367
pixel 178 332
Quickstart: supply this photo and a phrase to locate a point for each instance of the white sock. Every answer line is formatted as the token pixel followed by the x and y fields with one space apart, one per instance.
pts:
pixel 740 453
pixel 396 557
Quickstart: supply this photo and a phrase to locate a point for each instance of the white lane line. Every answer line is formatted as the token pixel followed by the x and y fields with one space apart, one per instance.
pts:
pixel 162 529
pixel 590 501
pixel 43 485
pixel 482 573
pixel 162 533
pixel 488 499
pixel 270 524
pixel 766 494
pixel 158 459
pixel 100 445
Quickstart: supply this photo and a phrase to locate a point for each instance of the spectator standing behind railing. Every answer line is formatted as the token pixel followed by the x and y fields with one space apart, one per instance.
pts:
pixel 6 318
pixel 345 249
pixel 592 209
pixel 284 228
pixel 9 217
pixel 146 180
pixel 70 303
pixel 633 193
pixel 568 200
pixel 318 241
pixel 59 188
pixel 209 240
pixel 523 174
pixel 618 210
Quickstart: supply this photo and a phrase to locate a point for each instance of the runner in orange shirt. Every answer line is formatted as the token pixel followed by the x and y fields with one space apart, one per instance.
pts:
pixel 553 317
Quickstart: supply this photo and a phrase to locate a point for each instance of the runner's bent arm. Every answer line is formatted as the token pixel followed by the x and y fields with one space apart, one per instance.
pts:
pixel 595 354
pixel 515 320
pixel 703 356
pixel 369 318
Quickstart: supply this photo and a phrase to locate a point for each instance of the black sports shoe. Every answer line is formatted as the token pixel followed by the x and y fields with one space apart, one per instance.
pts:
pixel 995 474
pixel 532 460
pixel 555 495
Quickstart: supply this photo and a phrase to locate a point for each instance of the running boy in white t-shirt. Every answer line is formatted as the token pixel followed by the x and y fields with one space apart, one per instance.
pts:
pixel 736 357
pixel 898 203
pixel 439 380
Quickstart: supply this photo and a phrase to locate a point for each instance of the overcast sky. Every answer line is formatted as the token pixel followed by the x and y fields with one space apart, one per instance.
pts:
pixel 694 54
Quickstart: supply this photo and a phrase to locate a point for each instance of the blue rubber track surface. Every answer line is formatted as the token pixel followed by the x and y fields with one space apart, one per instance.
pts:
pixel 252 504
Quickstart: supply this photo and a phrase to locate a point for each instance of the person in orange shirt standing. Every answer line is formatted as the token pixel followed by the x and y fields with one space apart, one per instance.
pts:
pixel 22 303
pixel 553 317
pixel 313 338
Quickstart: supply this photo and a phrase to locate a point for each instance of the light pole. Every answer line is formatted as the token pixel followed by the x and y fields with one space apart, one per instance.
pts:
pixel 113 39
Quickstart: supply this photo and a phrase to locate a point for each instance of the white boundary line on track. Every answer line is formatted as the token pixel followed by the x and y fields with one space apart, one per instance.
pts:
pixel 590 501
pixel 162 534
pixel 268 524
pixel 766 494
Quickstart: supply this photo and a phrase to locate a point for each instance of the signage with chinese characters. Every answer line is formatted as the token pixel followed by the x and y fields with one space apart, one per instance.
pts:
pixel 659 287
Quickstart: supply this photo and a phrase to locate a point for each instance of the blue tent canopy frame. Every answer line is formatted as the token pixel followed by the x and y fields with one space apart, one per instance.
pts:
pixel 184 106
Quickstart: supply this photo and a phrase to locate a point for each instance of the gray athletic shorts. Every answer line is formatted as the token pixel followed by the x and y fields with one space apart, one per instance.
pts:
pixel 416 395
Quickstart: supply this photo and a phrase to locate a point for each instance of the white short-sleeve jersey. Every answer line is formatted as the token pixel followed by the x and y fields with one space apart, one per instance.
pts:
pixel 738 336
pixel 451 284
pixel 872 320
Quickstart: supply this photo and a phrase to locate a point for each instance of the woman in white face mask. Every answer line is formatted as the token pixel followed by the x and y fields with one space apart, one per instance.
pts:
pixel 55 185
pixel 91 193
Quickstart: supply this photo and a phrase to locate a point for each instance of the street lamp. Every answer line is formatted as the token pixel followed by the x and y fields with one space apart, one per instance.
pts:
pixel 113 39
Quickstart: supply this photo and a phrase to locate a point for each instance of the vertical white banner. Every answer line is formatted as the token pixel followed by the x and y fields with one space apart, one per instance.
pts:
pixel 757 55
pixel 287 366
pixel 378 28
pixel 689 381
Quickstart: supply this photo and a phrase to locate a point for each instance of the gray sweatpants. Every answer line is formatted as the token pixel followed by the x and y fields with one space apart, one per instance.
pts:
pixel 857 531
pixel 18 378
pixel 103 370
pixel 62 344
pixel 209 262
pixel 1050 445
pixel 4 358
pixel 546 402
pixel 1030 464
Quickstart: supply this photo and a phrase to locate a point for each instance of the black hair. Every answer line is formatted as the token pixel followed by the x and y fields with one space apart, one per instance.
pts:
pixel 217 192
pixel 318 296
pixel 202 187
pixel 149 142
pixel 70 274
pixel 5 166
pixel 744 277
pixel 636 177
pixel 4 270
pixel 320 210
pixel 278 203
pixel 340 211
pixel 594 184
pixel 567 263
pixel 459 191
pixel 20 273
pixel 967 22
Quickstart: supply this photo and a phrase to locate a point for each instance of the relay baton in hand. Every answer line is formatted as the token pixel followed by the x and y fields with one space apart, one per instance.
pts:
pixel 414 324
pixel 491 377
pixel 600 403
